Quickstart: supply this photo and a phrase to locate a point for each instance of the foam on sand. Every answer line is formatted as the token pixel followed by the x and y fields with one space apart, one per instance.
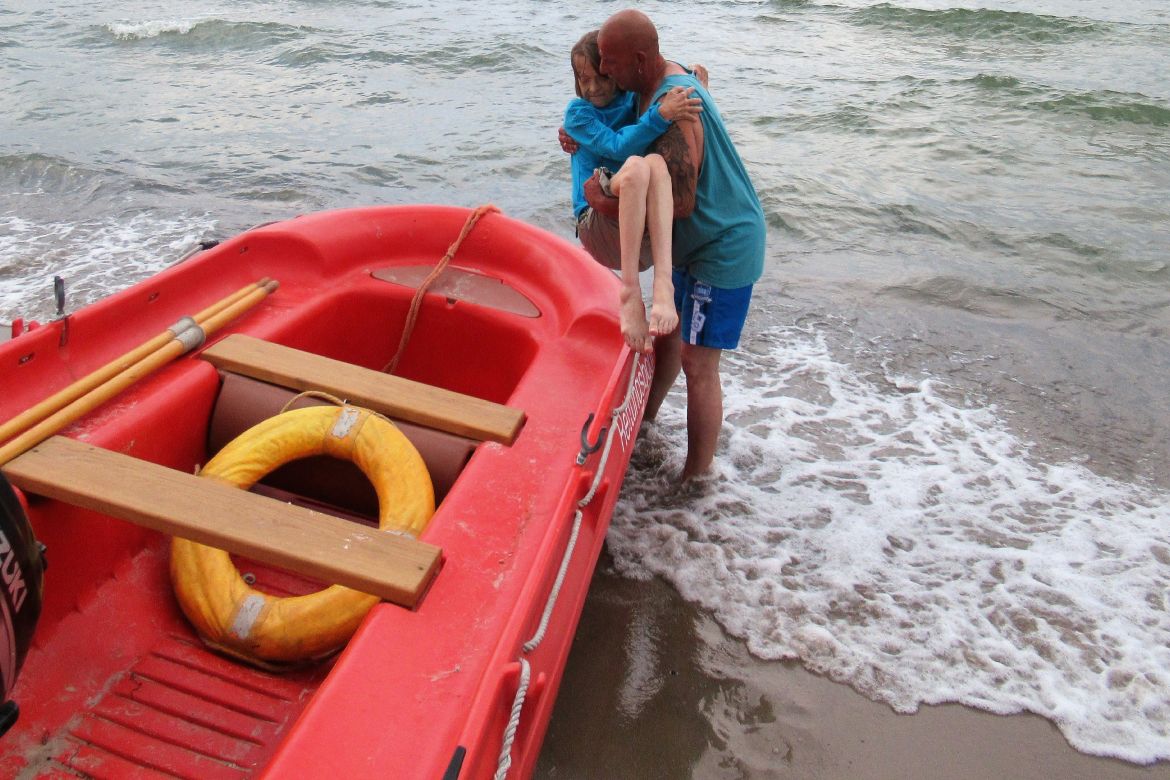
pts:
pixel 913 548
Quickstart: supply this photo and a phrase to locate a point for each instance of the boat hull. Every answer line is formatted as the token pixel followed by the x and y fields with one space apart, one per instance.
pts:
pixel 415 692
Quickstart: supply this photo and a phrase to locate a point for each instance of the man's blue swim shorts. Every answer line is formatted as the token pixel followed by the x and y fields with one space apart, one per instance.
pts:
pixel 710 316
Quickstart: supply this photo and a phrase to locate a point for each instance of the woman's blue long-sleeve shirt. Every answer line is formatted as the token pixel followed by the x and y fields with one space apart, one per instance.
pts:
pixel 607 137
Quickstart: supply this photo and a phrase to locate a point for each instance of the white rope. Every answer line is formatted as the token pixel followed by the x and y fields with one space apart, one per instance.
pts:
pixel 550 604
pixel 505 761
pixel 629 385
pixel 538 637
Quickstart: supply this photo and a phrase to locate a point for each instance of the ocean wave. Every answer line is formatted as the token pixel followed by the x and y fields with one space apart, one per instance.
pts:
pixel 1102 105
pixel 996 83
pixel 845 118
pixel 912 546
pixel 43 173
pixel 1108 106
pixel 461 56
pixel 895 97
pixel 306 56
pixel 209 33
pixel 458 57
pixel 955 293
pixel 69 185
pixel 777 10
pixel 96 256
pixel 151 29
pixel 979 24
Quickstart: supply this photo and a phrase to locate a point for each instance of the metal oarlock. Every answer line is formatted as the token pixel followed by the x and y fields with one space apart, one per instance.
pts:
pixel 588 449
pixel 62 317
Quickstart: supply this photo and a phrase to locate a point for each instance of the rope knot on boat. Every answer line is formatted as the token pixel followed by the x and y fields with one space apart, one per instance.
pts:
pixel 416 301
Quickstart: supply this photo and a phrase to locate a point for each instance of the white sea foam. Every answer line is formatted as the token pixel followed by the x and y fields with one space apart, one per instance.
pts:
pixel 96 257
pixel 913 548
pixel 152 28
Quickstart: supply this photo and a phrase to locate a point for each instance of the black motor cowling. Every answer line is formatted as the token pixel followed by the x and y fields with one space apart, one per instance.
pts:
pixel 22 569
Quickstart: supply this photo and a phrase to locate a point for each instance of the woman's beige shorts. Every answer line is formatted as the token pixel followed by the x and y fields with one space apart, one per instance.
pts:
pixel 600 237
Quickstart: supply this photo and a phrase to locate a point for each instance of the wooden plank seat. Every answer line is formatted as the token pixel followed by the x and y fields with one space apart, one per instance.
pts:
pixel 390 395
pixel 326 548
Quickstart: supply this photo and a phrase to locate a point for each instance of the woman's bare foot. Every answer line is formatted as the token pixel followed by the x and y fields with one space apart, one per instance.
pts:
pixel 663 315
pixel 633 319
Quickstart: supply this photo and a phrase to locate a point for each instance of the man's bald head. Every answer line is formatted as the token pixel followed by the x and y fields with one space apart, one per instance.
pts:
pixel 632 29
pixel 628 42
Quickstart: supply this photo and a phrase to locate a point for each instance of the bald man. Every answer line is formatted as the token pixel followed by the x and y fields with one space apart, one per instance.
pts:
pixel 718 232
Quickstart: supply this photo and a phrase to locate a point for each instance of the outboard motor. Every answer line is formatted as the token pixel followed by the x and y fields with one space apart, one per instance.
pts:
pixel 22 569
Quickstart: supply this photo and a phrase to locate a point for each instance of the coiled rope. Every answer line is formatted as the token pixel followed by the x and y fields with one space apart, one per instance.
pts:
pixel 416 301
pixel 319 394
pixel 505 761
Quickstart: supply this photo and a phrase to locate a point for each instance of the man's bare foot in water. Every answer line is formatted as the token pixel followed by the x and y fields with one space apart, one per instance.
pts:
pixel 633 318
pixel 663 315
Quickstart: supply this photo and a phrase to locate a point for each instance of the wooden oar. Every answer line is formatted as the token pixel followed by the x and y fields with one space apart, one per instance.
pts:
pixel 179 344
pixel 55 402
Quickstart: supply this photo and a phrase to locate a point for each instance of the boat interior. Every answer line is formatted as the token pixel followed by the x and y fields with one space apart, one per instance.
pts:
pixel 156 702
pixel 116 682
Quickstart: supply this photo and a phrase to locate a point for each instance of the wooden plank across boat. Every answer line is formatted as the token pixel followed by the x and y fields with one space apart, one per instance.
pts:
pixel 514 359
pixel 396 568
pixel 394 396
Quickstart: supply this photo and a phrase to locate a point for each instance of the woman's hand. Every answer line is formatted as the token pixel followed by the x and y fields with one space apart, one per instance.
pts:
pixel 701 74
pixel 567 143
pixel 677 105
pixel 595 196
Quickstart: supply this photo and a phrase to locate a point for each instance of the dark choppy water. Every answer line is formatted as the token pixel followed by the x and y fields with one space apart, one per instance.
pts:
pixel 946 466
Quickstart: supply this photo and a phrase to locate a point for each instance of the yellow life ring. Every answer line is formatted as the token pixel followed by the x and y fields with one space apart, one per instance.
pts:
pixel 267 630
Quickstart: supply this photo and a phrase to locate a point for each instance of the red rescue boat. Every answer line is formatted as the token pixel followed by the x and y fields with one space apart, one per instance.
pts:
pixel 513 383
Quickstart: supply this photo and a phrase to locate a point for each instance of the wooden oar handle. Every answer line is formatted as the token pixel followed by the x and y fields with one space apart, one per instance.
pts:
pixel 175 346
pixel 61 398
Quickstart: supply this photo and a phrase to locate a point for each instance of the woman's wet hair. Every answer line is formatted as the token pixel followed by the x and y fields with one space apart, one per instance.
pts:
pixel 587 48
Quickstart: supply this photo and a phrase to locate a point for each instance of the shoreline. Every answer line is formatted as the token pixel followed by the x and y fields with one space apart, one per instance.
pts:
pixel 655 689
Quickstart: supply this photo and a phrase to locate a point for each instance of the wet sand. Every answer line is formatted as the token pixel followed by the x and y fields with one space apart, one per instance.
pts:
pixel 655 689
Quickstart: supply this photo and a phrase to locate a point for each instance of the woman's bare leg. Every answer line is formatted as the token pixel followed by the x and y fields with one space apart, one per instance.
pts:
pixel 631 185
pixel 660 223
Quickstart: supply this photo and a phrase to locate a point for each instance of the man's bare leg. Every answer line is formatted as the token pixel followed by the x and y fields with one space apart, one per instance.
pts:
pixel 700 366
pixel 659 221
pixel 667 364
pixel 631 185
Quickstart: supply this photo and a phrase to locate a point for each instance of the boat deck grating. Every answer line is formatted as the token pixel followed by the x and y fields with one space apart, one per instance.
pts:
pixel 182 712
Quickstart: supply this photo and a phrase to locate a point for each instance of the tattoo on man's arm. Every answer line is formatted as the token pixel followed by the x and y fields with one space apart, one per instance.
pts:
pixel 672 145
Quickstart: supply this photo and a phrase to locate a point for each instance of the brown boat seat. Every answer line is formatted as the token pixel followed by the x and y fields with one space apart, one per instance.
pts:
pixel 459 284
pixel 393 396
pixel 244 402
pixel 326 548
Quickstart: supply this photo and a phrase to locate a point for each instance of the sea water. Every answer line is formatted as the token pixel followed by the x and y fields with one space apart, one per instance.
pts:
pixel 945 469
